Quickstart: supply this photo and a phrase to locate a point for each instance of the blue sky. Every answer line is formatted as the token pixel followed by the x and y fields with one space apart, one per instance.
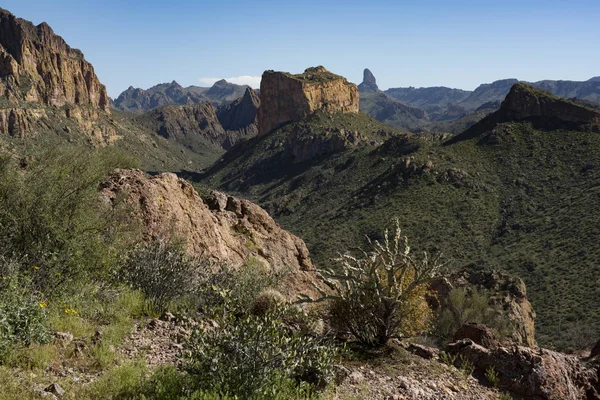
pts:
pixel 459 43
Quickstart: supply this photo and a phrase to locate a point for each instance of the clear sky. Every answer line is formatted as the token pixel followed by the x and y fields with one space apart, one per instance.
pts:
pixel 459 43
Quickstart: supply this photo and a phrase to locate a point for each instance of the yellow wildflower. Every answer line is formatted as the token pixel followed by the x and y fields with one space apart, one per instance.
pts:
pixel 43 304
pixel 35 267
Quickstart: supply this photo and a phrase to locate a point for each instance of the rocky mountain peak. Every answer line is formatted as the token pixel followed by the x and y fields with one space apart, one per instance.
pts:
pixel 524 101
pixel 369 83
pixel 287 97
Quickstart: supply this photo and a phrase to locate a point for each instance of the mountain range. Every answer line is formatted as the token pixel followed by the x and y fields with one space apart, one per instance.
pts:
pixel 514 190
pixel 139 100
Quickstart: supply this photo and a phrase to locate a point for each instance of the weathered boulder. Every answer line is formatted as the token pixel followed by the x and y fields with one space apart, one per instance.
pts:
pixel 531 373
pixel 223 228
pixel 478 333
pixel 285 97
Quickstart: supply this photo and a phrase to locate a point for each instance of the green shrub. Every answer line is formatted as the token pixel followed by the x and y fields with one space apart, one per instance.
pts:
pixel 238 286
pixel 492 376
pixel 51 216
pixel 23 313
pixel 162 271
pixel 258 357
pixel 469 305
pixel 381 294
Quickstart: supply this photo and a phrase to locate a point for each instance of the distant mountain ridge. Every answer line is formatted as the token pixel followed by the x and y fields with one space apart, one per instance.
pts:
pixel 437 98
pixel 139 100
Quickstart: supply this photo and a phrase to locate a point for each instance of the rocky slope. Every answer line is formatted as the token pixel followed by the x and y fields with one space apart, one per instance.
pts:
pixel 200 125
pixel 285 97
pixel 240 115
pixel 222 228
pixel 139 100
pixel 541 108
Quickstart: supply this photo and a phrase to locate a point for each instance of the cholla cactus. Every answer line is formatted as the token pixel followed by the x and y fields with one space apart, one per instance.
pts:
pixel 382 293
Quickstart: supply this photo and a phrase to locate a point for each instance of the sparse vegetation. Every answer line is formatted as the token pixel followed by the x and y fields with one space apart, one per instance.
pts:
pixel 469 305
pixel 381 294
pixel 162 271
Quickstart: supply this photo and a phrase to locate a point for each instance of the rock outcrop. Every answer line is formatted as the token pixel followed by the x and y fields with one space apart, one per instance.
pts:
pixel 222 228
pixel 507 293
pixel 524 101
pixel 239 118
pixel 285 97
pixel 530 373
pixel 369 83
pixel 36 65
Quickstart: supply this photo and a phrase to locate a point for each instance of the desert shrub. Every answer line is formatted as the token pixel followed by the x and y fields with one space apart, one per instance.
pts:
pixel 162 271
pixel 382 293
pixel 469 305
pixel 258 357
pixel 51 216
pixel 238 286
pixel 23 313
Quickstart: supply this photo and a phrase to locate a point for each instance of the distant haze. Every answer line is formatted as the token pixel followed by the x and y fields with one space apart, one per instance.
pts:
pixel 428 43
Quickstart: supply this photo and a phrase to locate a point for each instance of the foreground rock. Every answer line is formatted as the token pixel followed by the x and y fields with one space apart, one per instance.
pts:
pixel 222 228
pixel 523 371
pixel 285 97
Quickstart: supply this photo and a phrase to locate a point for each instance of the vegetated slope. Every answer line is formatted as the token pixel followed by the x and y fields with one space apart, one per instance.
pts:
pixel 518 191
pixel 392 112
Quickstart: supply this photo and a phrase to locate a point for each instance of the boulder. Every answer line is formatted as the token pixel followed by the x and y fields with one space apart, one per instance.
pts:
pixel 224 229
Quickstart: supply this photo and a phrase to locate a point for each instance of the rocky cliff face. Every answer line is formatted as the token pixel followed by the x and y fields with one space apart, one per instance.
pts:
pixel 37 65
pixel 285 97
pixel 239 118
pixel 222 228
pixel 524 101
pixel 45 85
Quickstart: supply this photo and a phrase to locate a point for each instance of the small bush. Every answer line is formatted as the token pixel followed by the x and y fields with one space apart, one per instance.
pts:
pixel 162 271
pixel 492 376
pixel 464 306
pixel 240 287
pixel 381 294
pixel 256 357
pixel 51 216
pixel 23 313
